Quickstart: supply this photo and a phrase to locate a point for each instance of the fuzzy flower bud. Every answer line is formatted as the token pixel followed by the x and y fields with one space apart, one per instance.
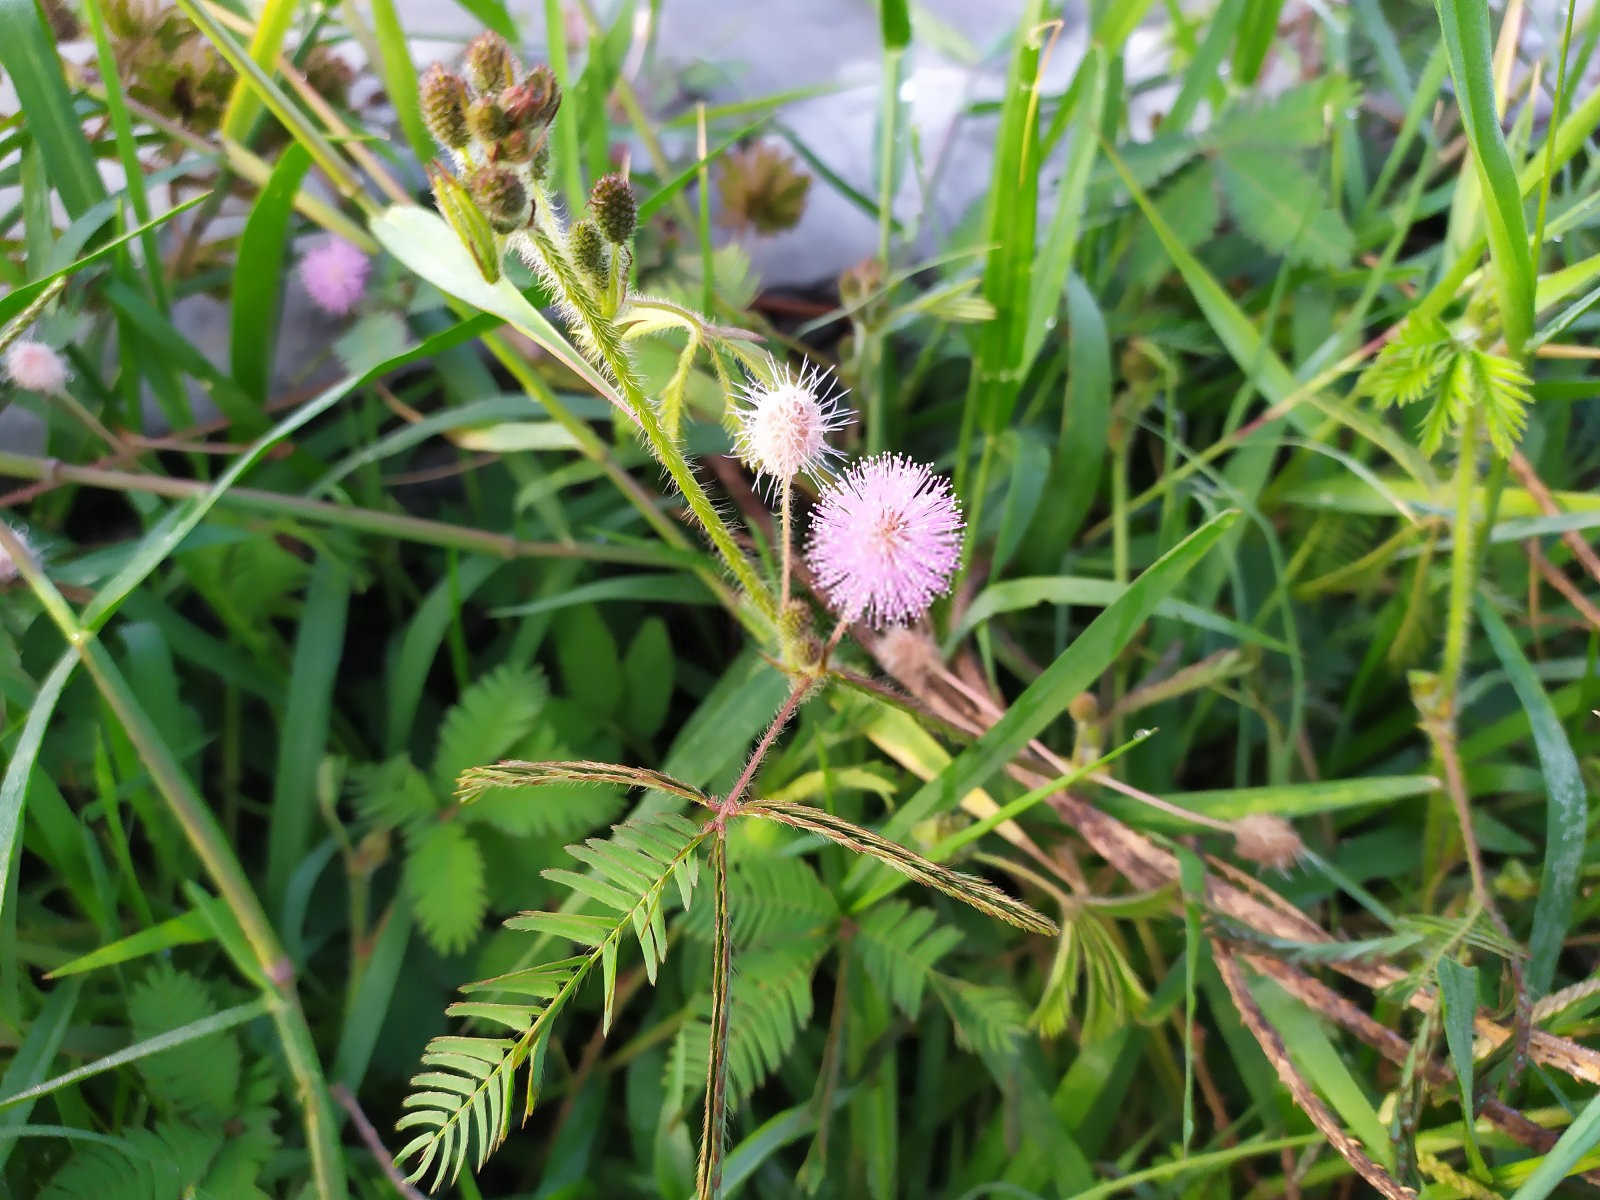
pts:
pixel 783 427
pixel 334 274
pixel 540 166
pixel 885 540
pixel 444 107
pixel 612 205
pixel 490 66
pixel 589 251
pixel 501 196
pixel 487 120
pixel 36 367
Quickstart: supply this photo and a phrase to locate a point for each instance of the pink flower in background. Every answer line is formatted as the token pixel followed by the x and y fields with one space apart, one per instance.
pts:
pixel 783 428
pixel 35 366
pixel 335 275
pixel 885 539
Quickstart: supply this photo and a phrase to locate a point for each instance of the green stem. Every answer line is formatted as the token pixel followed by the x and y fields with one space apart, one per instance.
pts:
pixel 1463 568
pixel 367 520
pixel 788 490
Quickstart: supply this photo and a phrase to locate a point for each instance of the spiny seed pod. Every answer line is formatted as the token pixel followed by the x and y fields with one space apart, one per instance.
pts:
pixel 444 107
pixel 532 103
pixel 501 196
pixel 612 206
pixel 589 251
pixel 490 66
pixel 487 120
pixel 515 147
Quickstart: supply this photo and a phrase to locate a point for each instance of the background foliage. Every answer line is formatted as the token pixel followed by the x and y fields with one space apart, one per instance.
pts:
pixel 1330 321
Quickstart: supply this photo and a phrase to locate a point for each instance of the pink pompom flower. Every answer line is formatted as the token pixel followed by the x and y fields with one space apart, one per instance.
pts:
pixel 885 539
pixel 783 427
pixel 334 274
pixel 36 367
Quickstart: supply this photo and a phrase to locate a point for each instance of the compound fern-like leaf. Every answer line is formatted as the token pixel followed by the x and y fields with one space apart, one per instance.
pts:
pixel 462 1100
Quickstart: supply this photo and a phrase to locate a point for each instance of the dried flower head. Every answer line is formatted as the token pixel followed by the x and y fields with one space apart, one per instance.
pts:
pixel 329 75
pixel 334 274
pixel 36 367
pixel 612 205
pixel 1268 841
pixel 885 539
pixel 762 187
pixel 784 426
pixel 909 655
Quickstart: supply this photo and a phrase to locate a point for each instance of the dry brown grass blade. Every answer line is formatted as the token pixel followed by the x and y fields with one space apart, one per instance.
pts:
pixel 1552 575
pixel 1529 478
pixel 1310 1103
pixel 1326 1002
pixel 1146 866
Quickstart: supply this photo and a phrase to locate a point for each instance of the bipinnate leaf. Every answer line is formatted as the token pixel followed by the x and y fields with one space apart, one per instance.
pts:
pixel 1283 208
pixel 462 1099
pixel 444 877
pixel 492 716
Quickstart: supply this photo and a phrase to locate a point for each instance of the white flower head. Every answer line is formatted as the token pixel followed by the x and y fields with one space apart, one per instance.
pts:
pixel 784 426
pixel 36 367
pixel 9 570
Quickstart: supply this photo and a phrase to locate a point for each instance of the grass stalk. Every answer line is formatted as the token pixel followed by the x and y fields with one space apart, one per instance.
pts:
pixel 205 836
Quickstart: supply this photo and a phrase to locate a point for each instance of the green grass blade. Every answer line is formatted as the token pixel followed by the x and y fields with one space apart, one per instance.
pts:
pixel 1458 989
pixel 400 78
pixel 1054 259
pixel 258 274
pixel 28 53
pixel 205 1027
pixel 1466 37
pixel 14 787
pixel 1567 811
pixel 40 1042
pixel 303 729
pixel 1580 1137
pixel 272 24
pixel 1044 700
pixel 164 539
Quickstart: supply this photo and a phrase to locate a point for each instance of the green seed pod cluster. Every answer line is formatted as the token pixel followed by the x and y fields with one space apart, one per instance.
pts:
pixel 497 129
pixel 612 206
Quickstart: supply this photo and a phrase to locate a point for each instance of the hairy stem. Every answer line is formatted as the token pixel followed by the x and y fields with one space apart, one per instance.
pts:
pixel 796 697
pixel 606 344
pixel 709 1177
pixel 1463 569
